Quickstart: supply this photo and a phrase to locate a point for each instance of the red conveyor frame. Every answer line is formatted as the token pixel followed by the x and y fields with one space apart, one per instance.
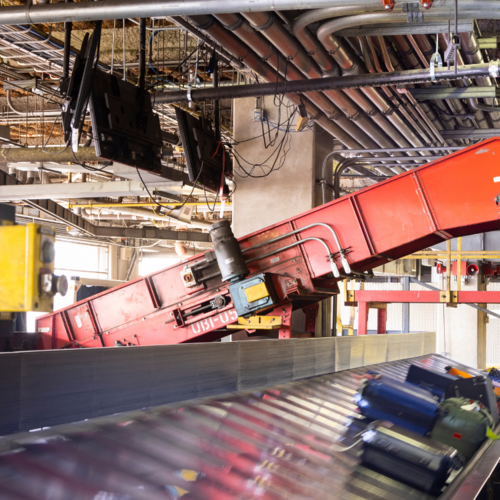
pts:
pixel 450 197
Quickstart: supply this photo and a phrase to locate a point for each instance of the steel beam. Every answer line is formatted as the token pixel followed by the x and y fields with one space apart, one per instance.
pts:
pixel 481 133
pixel 406 307
pixel 475 306
pixel 50 154
pixel 82 225
pixel 430 28
pixel 423 297
pixel 488 43
pixel 82 190
pixel 438 93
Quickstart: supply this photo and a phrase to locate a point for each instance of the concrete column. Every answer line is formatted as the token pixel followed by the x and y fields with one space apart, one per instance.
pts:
pixel 288 190
pixel 119 262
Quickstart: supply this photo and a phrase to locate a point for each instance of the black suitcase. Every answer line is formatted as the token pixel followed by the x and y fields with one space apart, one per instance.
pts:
pixel 477 388
pixel 412 459
pixel 435 382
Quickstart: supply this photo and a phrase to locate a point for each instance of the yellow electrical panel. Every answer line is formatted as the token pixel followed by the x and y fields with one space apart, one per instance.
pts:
pixel 27 281
pixel 256 292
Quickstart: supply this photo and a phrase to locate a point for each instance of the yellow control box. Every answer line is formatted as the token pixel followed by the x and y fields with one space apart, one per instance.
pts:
pixel 256 292
pixel 26 268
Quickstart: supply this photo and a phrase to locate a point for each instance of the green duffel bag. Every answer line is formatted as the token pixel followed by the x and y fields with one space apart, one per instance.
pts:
pixel 463 424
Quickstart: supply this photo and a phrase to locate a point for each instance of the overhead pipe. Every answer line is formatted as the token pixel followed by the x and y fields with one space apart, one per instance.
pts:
pixel 241 51
pixel 275 32
pixel 407 52
pixel 122 9
pixel 417 76
pixel 472 53
pixel 329 108
pixel 351 65
pixel 318 52
pixel 224 55
pixel 96 215
pixel 480 117
pixel 427 48
pixel 467 10
pixel 353 164
pixel 423 114
pixel 268 52
pixel 173 217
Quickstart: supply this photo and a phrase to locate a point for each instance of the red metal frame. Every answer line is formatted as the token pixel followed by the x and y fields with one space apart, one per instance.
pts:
pixel 377 299
pixel 451 197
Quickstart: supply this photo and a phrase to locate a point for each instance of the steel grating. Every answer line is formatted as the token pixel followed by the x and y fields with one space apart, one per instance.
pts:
pixel 273 443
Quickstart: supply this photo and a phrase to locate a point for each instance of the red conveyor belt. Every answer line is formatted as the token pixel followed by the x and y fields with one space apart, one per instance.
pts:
pixel 454 196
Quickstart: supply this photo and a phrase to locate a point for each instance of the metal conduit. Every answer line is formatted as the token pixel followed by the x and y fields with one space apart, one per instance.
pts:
pixel 425 116
pixel 123 9
pixel 351 64
pixel 319 84
pixel 427 47
pixel 480 118
pixel 241 51
pixel 355 66
pixel 472 53
pixel 273 30
pixel 369 52
pixel 268 52
pixel 468 11
pixel 27 112
pixel 407 52
pixel 223 54
pixel 431 120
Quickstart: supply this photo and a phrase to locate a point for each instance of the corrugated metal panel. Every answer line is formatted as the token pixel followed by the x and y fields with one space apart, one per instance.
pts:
pixel 273 443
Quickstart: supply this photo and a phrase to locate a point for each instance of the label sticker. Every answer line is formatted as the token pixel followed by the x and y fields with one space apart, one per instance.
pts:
pixel 78 320
pixel 496 179
pixel 276 259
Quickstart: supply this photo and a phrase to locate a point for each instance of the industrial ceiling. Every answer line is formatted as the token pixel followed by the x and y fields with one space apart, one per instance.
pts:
pixel 397 84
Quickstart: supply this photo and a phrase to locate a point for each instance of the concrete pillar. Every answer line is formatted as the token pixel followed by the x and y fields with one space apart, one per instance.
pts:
pixel 291 187
pixel 119 260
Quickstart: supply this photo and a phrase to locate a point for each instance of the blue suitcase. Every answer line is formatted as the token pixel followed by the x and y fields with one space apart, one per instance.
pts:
pixel 403 404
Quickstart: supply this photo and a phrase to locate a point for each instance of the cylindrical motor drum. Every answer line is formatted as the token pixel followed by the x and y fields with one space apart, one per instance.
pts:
pixel 228 252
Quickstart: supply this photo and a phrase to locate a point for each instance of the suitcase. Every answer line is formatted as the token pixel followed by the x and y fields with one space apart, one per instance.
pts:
pixel 418 461
pixel 403 404
pixel 477 388
pixel 431 380
pixel 462 424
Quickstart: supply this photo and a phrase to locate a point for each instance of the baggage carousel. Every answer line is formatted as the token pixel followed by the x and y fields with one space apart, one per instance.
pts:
pixel 271 442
